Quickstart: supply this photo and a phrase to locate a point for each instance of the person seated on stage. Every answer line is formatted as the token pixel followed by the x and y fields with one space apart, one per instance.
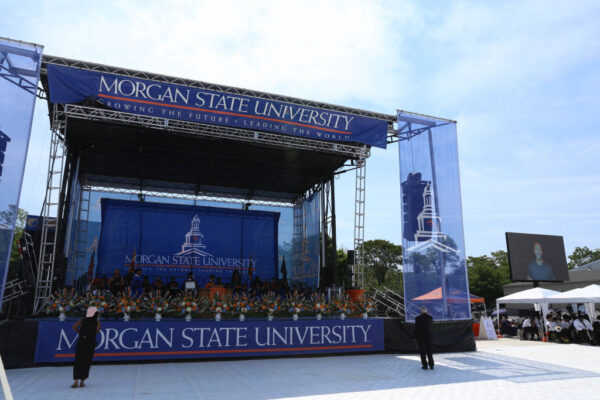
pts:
pixel 236 280
pixel 147 285
pixel 159 286
pixel 211 282
pixel 256 287
pixel 99 283
pixel 173 287
pixel 219 283
pixel 531 328
pixel 584 329
pixel 506 329
pixel 117 283
pixel 284 288
pixel 189 285
pixel 137 283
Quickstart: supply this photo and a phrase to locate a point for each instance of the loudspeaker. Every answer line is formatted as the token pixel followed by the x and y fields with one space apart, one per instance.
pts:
pixel 350 257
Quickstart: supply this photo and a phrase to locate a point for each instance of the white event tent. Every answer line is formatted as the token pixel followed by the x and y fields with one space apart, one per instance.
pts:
pixel 588 295
pixel 538 296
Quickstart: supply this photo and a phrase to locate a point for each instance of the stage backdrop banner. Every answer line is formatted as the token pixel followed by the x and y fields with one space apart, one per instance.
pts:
pixel 171 240
pixel 149 340
pixel 186 103
pixel 19 74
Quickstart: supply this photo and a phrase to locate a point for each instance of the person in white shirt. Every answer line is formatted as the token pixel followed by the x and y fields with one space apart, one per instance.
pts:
pixel 584 328
pixel 530 328
pixel 565 323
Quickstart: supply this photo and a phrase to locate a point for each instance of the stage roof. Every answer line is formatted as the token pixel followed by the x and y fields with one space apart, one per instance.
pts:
pixel 119 150
pixel 124 156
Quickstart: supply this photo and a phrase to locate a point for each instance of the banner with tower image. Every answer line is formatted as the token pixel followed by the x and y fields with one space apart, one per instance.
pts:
pixel 171 240
pixel 432 226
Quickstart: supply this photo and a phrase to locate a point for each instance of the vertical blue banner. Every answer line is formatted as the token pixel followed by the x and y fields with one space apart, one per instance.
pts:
pixel 19 73
pixel 435 273
pixel 306 258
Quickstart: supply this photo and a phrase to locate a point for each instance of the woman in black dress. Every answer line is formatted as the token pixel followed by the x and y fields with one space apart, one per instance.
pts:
pixel 86 328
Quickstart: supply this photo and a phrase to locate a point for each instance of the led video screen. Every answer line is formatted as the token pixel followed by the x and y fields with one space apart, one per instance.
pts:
pixel 538 258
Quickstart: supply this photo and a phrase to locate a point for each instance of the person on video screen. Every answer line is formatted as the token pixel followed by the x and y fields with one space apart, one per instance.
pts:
pixel 539 270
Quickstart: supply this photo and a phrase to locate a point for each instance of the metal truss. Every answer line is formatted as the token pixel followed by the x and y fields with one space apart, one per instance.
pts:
pixel 24 78
pixel 81 233
pixel 210 131
pixel 407 130
pixel 48 59
pixel 45 268
pixel 359 224
pixel 13 290
pixel 203 196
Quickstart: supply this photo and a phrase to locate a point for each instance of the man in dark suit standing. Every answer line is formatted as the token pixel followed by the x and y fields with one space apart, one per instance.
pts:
pixel 423 325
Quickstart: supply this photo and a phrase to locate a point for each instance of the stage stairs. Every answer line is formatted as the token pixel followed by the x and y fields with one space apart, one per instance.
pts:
pixel 389 303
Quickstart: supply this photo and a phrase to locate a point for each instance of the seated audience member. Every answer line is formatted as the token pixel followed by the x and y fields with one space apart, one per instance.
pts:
pixel 173 287
pixel 506 329
pixel 117 283
pixel 137 283
pixel 584 329
pixel 566 322
pixel 189 285
pixel 531 328
pixel 596 326
pixel 550 323
pixel 554 329
pixel 159 286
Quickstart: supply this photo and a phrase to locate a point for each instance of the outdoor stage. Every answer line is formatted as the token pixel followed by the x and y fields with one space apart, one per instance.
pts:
pixel 125 139
pixel 500 369
pixel 27 343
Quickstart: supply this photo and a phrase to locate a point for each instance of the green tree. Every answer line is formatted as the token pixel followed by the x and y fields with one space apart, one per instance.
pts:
pixel 6 218
pixel 582 255
pixel 487 275
pixel 383 261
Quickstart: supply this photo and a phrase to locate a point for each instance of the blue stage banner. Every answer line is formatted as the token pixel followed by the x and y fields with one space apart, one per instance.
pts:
pixel 172 239
pixel 160 99
pixel 306 255
pixel 149 340
pixel 19 73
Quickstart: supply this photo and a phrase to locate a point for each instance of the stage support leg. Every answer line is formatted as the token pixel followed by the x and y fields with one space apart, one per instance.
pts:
pixel 4 381
pixel 50 215
pixel 323 232
pixel 359 223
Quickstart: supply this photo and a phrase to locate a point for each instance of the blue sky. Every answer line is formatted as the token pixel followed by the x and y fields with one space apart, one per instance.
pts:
pixel 521 78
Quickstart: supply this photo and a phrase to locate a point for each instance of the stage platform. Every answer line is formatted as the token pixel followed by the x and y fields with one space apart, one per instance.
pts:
pixel 29 343
pixel 500 369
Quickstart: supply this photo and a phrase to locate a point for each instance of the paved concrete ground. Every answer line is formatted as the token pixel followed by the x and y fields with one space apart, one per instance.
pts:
pixel 501 369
